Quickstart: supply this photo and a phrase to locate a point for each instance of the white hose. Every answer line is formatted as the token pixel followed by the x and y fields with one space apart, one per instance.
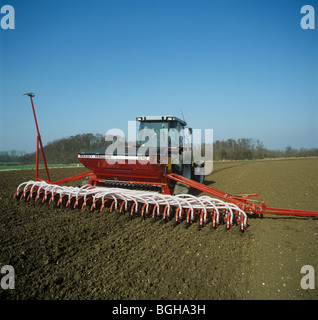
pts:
pixel 148 198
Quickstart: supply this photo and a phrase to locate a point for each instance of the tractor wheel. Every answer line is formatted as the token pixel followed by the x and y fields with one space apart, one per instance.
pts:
pixel 85 181
pixel 179 187
pixel 198 178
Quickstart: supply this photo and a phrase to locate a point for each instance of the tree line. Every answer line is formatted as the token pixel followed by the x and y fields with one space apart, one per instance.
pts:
pixel 250 149
pixel 61 151
pixel 64 151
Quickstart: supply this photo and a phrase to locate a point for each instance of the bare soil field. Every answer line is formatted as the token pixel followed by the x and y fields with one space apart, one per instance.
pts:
pixel 62 253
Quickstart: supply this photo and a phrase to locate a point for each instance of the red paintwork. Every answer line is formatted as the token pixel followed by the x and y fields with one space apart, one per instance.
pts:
pixel 38 142
pixel 143 172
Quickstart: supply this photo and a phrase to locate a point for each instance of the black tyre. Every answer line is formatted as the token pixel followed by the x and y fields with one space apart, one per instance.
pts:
pixel 179 187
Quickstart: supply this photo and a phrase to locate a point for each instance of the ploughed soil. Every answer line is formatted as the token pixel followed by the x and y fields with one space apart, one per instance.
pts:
pixel 62 253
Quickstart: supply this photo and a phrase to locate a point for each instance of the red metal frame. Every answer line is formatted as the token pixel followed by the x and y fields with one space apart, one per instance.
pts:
pixel 252 206
pixel 73 178
pixel 38 142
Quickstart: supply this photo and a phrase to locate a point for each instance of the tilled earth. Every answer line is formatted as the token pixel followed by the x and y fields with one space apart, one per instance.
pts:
pixel 62 253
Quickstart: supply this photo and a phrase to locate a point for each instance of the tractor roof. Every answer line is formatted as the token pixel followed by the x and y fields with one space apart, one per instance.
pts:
pixel 161 118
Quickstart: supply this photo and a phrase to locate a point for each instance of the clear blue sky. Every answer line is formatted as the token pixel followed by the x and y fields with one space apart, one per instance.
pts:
pixel 243 68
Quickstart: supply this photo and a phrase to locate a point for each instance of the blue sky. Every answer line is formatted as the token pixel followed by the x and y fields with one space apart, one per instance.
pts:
pixel 245 69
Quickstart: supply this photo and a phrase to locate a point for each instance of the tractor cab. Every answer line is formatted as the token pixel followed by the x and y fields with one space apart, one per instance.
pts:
pixel 162 131
pixel 170 136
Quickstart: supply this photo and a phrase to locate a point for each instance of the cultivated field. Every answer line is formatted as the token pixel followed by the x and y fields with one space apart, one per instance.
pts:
pixel 60 253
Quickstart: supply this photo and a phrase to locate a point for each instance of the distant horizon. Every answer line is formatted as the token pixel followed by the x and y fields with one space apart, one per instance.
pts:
pixel 220 140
